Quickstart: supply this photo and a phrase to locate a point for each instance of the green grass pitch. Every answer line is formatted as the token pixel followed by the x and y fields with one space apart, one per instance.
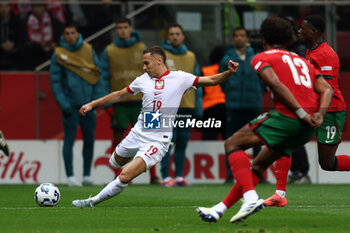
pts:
pixel 150 208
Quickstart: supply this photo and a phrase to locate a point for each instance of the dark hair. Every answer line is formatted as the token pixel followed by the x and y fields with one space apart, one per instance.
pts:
pixel 276 31
pixel 70 25
pixel 156 50
pixel 175 25
pixel 291 20
pixel 238 29
pixel 317 22
pixel 123 20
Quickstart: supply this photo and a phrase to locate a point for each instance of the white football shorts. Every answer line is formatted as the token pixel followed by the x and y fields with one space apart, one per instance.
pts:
pixel 137 145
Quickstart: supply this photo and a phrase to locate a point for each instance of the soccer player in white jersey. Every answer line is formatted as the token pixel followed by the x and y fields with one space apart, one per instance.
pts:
pixel 162 92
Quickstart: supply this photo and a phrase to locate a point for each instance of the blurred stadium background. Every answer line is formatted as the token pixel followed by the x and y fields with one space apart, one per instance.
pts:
pixel 31 120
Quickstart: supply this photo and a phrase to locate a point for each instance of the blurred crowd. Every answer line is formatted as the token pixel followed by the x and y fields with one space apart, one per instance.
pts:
pixel 29 32
pixel 32 33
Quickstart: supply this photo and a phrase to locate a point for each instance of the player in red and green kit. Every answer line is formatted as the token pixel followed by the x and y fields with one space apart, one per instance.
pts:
pixel 323 57
pixel 294 83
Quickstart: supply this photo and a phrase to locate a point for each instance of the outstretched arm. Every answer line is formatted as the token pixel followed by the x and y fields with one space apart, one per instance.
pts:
pixel 218 78
pixel 111 98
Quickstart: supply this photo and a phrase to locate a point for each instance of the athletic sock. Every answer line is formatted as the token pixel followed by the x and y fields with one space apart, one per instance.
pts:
pixel 166 179
pixel 240 167
pixel 282 166
pixel 233 196
pixel 236 193
pixel 281 193
pixel 343 162
pixel 220 207
pixel 240 159
pixel 179 178
pixel 250 195
pixel 112 189
pixel 153 171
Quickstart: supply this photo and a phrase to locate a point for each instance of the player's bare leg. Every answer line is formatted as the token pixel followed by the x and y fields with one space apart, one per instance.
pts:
pixel 327 158
pixel 132 170
pixel 115 187
pixel 329 162
pixel 117 161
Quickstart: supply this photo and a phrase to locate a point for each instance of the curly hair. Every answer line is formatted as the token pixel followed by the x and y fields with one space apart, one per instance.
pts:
pixel 276 31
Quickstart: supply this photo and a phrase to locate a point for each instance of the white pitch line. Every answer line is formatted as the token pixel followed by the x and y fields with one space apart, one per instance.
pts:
pixel 162 207
pixel 318 206
pixel 104 207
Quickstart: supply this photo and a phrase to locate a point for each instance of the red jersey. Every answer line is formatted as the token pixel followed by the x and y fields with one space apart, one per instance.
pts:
pixel 295 73
pixel 326 61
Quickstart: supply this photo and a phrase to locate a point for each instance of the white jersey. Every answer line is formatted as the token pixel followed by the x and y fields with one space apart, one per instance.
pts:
pixel 160 102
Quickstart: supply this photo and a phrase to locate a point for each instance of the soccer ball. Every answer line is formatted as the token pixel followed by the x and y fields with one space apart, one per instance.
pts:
pixel 47 194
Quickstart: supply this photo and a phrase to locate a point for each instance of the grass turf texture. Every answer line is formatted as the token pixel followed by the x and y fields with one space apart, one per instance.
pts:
pixel 150 208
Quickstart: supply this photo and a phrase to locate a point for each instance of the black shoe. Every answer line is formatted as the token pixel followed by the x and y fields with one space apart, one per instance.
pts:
pixel 3 144
pixel 183 183
pixel 292 178
pixel 304 179
pixel 156 180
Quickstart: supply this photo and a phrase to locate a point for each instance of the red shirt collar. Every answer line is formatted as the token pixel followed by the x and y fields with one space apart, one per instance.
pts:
pixel 165 74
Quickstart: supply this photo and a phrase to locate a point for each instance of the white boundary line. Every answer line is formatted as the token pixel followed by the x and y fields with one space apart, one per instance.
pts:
pixel 163 207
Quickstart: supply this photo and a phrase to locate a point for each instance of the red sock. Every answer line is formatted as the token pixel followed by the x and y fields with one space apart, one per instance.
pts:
pixel 343 162
pixel 236 193
pixel 282 166
pixel 233 196
pixel 256 179
pixel 240 167
pixel 153 171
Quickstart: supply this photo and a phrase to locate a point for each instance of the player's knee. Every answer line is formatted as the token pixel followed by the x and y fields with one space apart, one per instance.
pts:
pixel 327 166
pixel 113 162
pixel 124 177
pixel 229 146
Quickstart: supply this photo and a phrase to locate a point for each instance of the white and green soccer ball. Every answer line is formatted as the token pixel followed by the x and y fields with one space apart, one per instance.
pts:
pixel 47 195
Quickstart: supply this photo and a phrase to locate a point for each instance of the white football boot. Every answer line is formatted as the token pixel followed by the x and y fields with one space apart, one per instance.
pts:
pixel 209 214
pixel 84 203
pixel 248 208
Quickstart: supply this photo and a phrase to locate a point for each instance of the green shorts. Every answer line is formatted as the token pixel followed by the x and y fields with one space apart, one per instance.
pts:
pixel 125 113
pixel 331 129
pixel 282 133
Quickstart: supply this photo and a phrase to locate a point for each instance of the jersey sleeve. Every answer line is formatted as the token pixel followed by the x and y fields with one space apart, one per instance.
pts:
pixel 324 67
pixel 189 81
pixel 135 86
pixel 316 73
pixel 259 64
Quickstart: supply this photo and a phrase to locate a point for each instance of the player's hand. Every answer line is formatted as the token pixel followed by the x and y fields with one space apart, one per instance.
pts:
pixel 317 119
pixel 308 120
pixel 233 66
pixel 85 108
